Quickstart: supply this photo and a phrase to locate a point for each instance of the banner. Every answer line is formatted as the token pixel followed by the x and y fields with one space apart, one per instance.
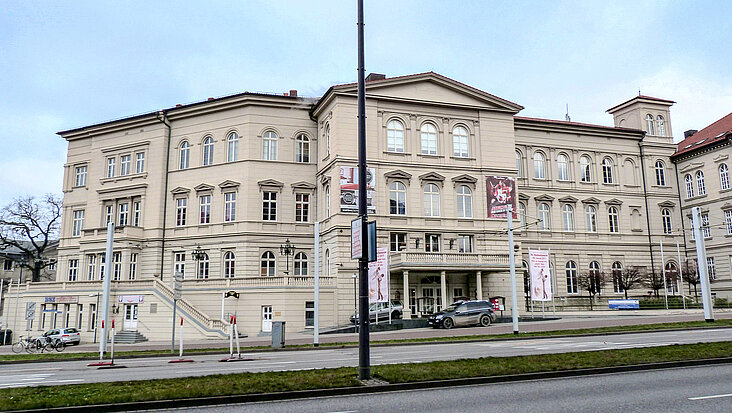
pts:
pixel 501 192
pixel 541 282
pixel 130 299
pixel 379 277
pixel 349 189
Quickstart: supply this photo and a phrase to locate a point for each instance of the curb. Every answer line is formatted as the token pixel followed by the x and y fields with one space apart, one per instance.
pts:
pixel 347 391
pixel 373 344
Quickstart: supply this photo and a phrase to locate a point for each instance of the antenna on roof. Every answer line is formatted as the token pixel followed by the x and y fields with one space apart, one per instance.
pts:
pixel 566 116
pixel 639 93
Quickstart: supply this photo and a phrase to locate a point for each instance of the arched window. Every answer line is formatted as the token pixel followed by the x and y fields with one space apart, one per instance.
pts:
pixel 431 200
pixel 585 168
pixel 570 269
pixel 700 183
pixel 724 176
pixel 267 265
pixel 539 166
pixel 208 148
pixel 460 142
pixel 522 215
pixel 612 217
pixel 429 139
pixel 596 282
pixel 301 264
pixel 666 218
pixel 302 149
pixel 649 124
pixel 562 167
pixel 232 147
pixel 617 269
pixel 269 146
pixel 464 202
pixel 395 136
pixel 327 201
pixel 229 264
pixel 591 215
pixel 185 155
pixel 519 169
pixel 327 139
pixel 327 263
pixel 397 198
pixel 660 126
pixel 607 171
pixel 544 217
pixel 203 265
pixel 568 217
pixel 660 173
pixel 689 181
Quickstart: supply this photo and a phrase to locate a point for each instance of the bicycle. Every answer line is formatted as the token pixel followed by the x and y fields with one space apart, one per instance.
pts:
pixel 47 344
pixel 28 344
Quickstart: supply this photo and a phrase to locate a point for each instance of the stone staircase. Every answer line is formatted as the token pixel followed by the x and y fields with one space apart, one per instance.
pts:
pixel 129 337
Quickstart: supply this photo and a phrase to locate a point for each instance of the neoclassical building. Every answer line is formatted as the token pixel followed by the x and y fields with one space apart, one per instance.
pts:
pixel 234 178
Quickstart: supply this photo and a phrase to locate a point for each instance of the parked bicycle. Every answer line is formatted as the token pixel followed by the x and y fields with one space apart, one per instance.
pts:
pixel 48 344
pixel 29 344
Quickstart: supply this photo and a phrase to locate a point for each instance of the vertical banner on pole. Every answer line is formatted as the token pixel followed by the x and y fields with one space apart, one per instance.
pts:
pixel 379 277
pixel 541 284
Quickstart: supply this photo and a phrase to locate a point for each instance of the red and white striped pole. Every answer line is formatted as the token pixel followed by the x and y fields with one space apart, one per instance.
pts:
pixel 113 341
pixel 101 351
pixel 181 338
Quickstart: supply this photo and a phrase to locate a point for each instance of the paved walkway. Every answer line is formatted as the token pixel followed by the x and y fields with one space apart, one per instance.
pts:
pixel 566 320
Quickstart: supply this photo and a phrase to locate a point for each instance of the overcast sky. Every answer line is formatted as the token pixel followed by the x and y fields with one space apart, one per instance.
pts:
pixel 73 63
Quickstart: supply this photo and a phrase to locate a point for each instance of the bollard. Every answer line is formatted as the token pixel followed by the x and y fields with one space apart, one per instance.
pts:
pixel 180 356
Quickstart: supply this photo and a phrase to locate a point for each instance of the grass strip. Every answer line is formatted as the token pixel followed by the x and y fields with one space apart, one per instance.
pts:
pixel 726 322
pixel 267 382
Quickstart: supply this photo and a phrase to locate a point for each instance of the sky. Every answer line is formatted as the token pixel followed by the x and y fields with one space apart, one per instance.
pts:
pixel 74 63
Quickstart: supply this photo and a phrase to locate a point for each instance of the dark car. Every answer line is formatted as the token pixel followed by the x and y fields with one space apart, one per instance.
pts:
pixel 464 313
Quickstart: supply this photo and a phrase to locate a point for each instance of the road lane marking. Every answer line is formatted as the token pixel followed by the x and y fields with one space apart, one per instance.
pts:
pixel 716 396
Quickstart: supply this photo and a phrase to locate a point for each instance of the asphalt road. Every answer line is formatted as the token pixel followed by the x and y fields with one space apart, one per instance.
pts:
pixel 68 372
pixel 691 389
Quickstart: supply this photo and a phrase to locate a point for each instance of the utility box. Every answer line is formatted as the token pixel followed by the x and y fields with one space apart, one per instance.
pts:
pixel 278 334
pixel 6 337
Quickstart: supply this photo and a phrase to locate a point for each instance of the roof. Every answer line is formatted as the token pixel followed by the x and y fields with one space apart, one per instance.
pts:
pixel 641 97
pixel 714 133
pixel 9 250
pixel 564 122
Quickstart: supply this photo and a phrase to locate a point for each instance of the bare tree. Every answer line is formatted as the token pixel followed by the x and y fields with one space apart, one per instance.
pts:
pixel 31 225
pixel 691 276
pixel 629 277
pixel 592 282
pixel 654 281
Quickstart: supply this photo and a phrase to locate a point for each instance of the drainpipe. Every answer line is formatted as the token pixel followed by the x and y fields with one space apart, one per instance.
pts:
pixel 163 118
pixel 648 216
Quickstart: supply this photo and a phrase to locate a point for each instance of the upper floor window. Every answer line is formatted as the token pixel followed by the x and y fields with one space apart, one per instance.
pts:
pixel 522 215
pixel 706 229
pixel 539 165
pixel 232 147
pixel 395 136
pixel 585 168
pixel 711 268
pixel 327 201
pixel 519 169
pixel 570 270
pixel 562 167
pixel 124 165
pixel 208 149
pixel 229 206
pixel 269 146
pixel 110 167
pixel 689 181
pixel 465 244
pixel 229 264
pixel 431 200
pixel 302 207
pixel 302 149
pixel 80 179
pixel 607 171
pixel 78 223
pixel 203 267
pixel 544 217
pixel 666 218
pixel 432 243
pixel 591 215
pixel 660 173
pixel 661 126
pixel 133 266
pixel 124 213
pixel 327 139
pixel 269 206
pixel 136 213
pixel 460 142
pixel 397 241
pixel 139 162
pixel 184 155
pixel 73 269
pixel 700 183
pixel 428 133
pixel 205 204
pixel 728 221
pixel 7 265
pixel 397 199
pixel 724 176
pixel 649 124
pixel 464 202
pixel 301 264
pixel 612 216
pixel 181 206
pixel 568 217
pixel 267 266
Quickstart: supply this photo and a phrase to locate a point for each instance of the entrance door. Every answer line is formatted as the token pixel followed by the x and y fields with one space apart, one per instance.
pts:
pixel 266 318
pixel 130 316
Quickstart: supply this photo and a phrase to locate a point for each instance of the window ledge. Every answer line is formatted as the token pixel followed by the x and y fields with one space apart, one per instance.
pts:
pixel 429 155
pixel 566 181
pixel 397 153
pixel 721 191
pixel 127 177
pixel 463 158
pixel 587 182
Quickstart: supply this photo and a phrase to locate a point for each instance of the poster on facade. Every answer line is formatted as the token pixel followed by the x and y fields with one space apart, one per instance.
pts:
pixel 349 189
pixel 541 281
pixel 379 277
pixel 501 192
pixel 131 299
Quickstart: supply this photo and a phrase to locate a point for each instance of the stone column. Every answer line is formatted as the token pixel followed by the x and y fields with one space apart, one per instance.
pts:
pixel 478 286
pixel 443 289
pixel 407 313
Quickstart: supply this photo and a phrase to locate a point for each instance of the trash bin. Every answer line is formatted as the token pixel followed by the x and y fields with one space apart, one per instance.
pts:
pixel 6 337
pixel 278 334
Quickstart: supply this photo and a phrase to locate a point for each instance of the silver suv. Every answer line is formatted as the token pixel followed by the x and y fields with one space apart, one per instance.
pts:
pixel 393 307
pixel 67 335
pixel 464 313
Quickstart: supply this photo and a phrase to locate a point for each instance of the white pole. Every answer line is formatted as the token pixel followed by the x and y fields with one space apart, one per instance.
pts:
pixel 236 331
pixel 701 258
pixel 553 272
pixel 231 336
pixel 17 302
pixel 316 318
pixel 663 274
pixel 223 297
pixel 112 338
pixel 108 270
pixel 680 281
pixel 512 270
pixel 5 318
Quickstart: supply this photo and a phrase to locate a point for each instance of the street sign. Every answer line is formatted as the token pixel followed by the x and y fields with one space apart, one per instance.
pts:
pixel 177 286
pixel 30 311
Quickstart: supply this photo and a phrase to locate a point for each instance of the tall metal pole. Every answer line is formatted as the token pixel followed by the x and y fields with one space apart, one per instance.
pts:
pixel 680 282
pixel 663 274
pixel 316 293
pixel 701 259
pixel 107 286
pixel 96 318
pixel 364 358
pixel 512 269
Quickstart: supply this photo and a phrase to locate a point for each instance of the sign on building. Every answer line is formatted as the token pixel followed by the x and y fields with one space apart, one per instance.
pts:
pixel 379 277
pixel 130 299
pixel 349 189
pixel 501 192
pixel 67 299
pixel 541 281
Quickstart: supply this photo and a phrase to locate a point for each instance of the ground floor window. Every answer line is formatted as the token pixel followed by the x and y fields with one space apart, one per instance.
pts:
pixel 266 318
pixel 92 317
pixel 309 313
pixel 79 315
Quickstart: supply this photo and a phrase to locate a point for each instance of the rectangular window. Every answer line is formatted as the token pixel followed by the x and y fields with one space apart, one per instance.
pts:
pixel 110 167
pixel 711 268
pixel 79 315
pixel 78 223
pixel 706 230
pixel 457 293
pixel 102 266
pixel 205 203
pixel 140 162
pixel 92 317
pixel 136 213
pixel 397 241
pixel 269 206
pixel 73 269
pixel 133 266
pixel 309 313
pixel 67 315
pixel 465 243
pixel 7 265
pixel 230 206
pixel 124 165
pixel 181 205
pixel 92 266
pixel 180 264
pixel 80 176
pixel 728 221
pixel 432 243
pixel 302 207
pixel 117 257
pixel 124 213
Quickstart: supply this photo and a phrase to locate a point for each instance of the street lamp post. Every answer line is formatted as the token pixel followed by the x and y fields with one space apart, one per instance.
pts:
pixel 355 301
pixel 287 250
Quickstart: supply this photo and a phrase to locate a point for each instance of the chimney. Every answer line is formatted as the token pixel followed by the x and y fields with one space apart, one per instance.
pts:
pixel 210 98
pixel 177 105
pixel 375 76
pixel 689 133
pixel 293 93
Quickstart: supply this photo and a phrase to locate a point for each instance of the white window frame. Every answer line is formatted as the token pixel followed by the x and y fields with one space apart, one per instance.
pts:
pixel 111 166
pixel 431 200
pixel 269 206
pixel 568 217
pixel 650 125
pixel 204 209
pixel 78 223
pixel 465 244
pixel 133 266
pixel 432 242
pixel 140 162
pixel 300 266
pixel 208 151
pixel 232 147
pixel 229 206
pixel 269 146
pixel 545 220
pixel 539 165
pixel 123 214
pixel 728 221
pixel 607 171
pixel 229 264
pixel 73 269
pixel 395 136
pixel 464 202
pixel 724 177
pixel 689 182
pixel 666 221
pixel 397 198
pixel 613 219
pixel 660 126
pixel 80 178
pixel 125 164
pixel 570 271
pixel 660 173
pixel 91 266
pixel 591 218
pixel 136 213
pixel 268 264
pixel 397 241
pixel 617 266
pixel 428 138
pixel 706 229
pixel 181 210
pixel 179 263
pixel 700 186
pixel 184 155
pixel 203 267
pixel 460 142
pixel 585 168
pixel 302 146
pixel 302 207
pixel 562 167
pixel 117 266
pixel 519 165
pixel 711 268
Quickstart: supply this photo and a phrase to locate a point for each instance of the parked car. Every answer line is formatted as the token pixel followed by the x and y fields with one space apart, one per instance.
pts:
pixel 393 307
pixel 70 336
pixel 464 313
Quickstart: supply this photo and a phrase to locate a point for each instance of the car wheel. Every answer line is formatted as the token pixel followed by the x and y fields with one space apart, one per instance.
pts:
pixel 485 320
pixel 395 315
pixel 448 323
